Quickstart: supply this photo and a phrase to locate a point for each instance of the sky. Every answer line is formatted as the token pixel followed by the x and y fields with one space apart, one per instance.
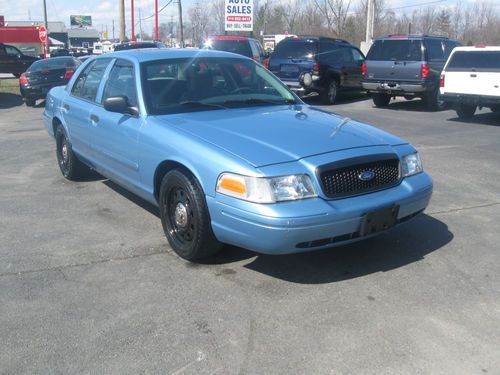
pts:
pixel 104 11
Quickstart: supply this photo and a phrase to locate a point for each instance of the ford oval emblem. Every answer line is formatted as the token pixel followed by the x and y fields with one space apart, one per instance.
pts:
pixel 366 176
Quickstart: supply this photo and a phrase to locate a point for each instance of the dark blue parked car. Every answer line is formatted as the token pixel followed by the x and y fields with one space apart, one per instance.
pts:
pixel 230 155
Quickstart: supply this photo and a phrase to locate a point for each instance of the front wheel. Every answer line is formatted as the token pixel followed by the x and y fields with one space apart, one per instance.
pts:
pixel 466 111
pixel 330 94
pixel 381 100
pixel 71 168
pixel 30 102
pixel 185 217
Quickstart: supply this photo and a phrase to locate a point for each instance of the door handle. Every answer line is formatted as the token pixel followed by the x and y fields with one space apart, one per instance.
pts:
pixel 94 118
pixel 473 75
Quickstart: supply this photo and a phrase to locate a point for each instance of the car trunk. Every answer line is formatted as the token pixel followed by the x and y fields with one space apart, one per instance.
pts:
pixel 40 77
pixel 395 60
pixel 292 58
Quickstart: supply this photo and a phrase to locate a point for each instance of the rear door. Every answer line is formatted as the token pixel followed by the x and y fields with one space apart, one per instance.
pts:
pixel 473 72
pixel 293 57
pixel 398 59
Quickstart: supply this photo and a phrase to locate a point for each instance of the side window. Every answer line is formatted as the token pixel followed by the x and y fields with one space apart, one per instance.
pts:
pixel 347 56
pixel 434 50
pixel 121 81
pixel 88 81
pixel 12 51
pixel 448 47
pixel 357 56
pixel 330 53
pixel 255 50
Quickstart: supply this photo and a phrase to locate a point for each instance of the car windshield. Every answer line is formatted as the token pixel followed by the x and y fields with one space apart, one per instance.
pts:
pixel 291 49
pixel 396 50
pixel 52 64
pixel 241 47
pixel 200 84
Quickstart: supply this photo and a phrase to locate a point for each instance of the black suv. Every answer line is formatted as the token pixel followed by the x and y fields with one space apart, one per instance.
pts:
pixel 14 61
pixel 248 47
pixel 408 66
pixel 318 65
pixel 137 45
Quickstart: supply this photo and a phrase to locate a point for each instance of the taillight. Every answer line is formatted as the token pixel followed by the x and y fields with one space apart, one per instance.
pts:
pixel 441 81
pixel 316 69
pixel 363 70
pixel 69 73
pixel 23 80
pixel 424 71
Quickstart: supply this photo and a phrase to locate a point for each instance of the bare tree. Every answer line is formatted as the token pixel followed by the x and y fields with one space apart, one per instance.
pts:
pixel 335 13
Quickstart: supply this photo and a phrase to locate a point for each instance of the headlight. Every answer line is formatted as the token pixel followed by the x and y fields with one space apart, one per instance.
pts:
pixel 411 165
pixel 266 190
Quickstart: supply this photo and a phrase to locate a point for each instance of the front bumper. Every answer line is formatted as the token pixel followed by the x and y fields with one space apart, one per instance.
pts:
pixel 38 91
pixel 336 222
pixel 397 88
pixel 478 100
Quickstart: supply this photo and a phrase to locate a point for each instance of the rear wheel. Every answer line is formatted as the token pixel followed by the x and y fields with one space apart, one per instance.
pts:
pixel 381 100
pixel 466 111
pixel 71 168
pixel 433 102
pixel 330 94
pixel 185 217
pixel 30 102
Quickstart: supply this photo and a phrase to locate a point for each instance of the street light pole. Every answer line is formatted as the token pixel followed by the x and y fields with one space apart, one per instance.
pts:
pixel 156 19
pixel 121 9
pixel 132 14
pixel 180 23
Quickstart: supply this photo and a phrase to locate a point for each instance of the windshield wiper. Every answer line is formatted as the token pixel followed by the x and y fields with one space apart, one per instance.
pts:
pixel 259 101
pixel 201 104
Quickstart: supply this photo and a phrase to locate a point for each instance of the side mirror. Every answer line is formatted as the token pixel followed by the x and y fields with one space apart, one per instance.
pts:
pixel 119 104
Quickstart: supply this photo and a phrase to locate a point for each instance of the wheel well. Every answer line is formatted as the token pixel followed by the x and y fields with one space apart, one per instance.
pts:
pixel 162 170
pixel 333 77
pixel 55 123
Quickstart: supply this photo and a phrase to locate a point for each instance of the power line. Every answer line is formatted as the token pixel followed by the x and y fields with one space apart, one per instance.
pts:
pixel 166 5
pixel 417 5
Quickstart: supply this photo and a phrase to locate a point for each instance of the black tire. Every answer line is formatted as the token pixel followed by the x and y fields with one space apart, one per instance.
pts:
pixel 433 102
pixel 30 102
pixel 329 96
pixel 381 100
pixel 185 217
pixel 495 109
pixel 71 168
pixel 466 111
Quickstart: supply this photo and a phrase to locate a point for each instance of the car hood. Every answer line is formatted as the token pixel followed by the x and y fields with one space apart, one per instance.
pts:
pixel 278 134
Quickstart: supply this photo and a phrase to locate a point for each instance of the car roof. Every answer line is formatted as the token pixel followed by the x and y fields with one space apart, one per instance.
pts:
pixel 150 54
pixel 477 48
pixel 313 39
pixel 229 37
pixel 411 36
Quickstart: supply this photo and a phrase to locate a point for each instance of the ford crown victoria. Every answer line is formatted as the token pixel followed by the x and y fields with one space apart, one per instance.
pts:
pixel 230 155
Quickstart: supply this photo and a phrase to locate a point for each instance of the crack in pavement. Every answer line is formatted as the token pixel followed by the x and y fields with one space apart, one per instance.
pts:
pixel 452 210
pixel 91 263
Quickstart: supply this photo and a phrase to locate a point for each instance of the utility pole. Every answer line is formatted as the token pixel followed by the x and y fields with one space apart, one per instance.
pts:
pixel 180 23
pixel 156 19
pixel 113 28
pixel 121 9
pixel 140 24
pixel 370 21
pixel 46 44
pixel 132 14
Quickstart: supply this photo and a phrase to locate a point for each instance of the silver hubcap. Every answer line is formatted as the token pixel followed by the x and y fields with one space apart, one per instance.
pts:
pixel 181 215
pixel 64 152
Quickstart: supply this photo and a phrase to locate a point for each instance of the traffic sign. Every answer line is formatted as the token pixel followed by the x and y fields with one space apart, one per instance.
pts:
pixel 42 34
pixel 239 15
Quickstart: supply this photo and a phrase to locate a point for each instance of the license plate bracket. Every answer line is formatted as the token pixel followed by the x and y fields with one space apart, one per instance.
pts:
pixel 379 220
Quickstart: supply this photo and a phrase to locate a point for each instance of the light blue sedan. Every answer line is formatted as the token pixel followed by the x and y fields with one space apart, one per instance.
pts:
pixel 230 155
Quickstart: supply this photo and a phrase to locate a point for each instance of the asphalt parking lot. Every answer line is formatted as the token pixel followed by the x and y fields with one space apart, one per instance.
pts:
pixel 88 283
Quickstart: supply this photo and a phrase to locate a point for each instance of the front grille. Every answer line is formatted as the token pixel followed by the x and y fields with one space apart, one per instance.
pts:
pixel 342 179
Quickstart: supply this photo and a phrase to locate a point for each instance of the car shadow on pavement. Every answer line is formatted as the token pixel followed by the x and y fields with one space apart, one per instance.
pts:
pixel 403 245
pixel 343 98
pixel 9 100
pixel 152 209
pixel 414 105
pixel 488 118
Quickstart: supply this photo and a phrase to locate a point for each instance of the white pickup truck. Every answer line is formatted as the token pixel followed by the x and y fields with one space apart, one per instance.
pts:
pixel 471 79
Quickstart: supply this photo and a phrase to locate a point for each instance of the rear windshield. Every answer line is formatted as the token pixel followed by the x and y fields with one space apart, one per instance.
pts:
pixel 396 50
pixel 241 47
pixel 302 50
pixel 52 64
pixel 472 60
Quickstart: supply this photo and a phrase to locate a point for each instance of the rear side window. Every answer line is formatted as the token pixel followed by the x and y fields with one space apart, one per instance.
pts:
pixel 434 49
pixel 87 83
pixel 396 50
pixel 300 50
pixel 475 61
pixel 448 47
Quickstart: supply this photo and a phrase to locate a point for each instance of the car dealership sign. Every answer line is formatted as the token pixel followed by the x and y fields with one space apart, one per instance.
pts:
pixel 239 15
